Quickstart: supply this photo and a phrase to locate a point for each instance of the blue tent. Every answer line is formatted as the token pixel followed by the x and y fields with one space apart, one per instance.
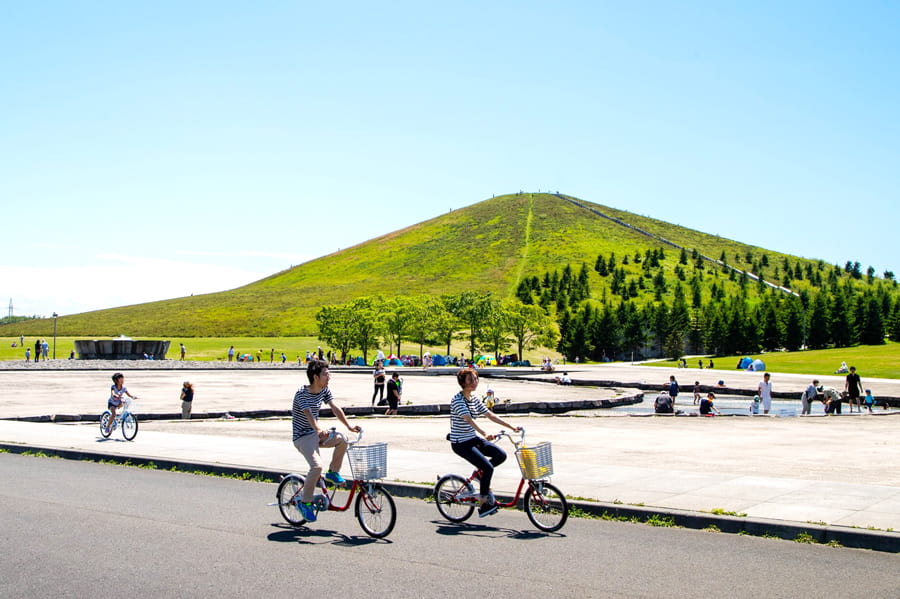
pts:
pixel 757 365
pixel 438 360
pixel 744 363
pixel 359 361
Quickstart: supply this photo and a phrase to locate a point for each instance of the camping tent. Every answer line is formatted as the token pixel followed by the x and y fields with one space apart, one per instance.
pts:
pixel 438 360
pixel 757 365
pixel 745 363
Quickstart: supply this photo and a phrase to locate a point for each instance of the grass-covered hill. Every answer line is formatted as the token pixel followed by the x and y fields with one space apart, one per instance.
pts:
pixel 489 246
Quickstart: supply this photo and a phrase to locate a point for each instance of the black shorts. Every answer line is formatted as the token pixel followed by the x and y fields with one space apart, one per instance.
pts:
pixel 393 404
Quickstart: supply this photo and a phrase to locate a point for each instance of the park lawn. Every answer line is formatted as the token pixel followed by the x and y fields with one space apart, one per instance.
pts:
pixel 877 361
pixel 216 348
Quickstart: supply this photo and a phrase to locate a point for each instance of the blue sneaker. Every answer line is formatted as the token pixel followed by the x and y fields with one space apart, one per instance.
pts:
pixel 335 477
pixel 308 512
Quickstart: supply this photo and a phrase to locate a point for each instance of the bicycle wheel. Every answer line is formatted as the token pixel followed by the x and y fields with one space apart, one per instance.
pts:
pixel 105 429
pixel 546 506
pixel 447 492
pixel 375 510
pixel 129 426
pixel 288 496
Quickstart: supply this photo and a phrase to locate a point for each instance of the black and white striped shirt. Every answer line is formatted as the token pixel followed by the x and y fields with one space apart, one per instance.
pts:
pixel 460 430
pixel 304 400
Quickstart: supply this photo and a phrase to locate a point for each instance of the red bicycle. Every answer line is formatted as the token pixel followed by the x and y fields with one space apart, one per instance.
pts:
pixel 375 509
pixel 544 503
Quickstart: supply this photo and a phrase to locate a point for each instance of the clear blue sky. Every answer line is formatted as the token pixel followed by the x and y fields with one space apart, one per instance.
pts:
pixel 151 150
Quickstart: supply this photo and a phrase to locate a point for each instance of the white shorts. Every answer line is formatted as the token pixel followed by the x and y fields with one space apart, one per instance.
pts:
pixel 767 403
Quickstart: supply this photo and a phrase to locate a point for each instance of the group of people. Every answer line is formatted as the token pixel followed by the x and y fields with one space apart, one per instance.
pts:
pixel 833 400
pixel 467 439
pixel 394 389
pixel 830 397
pixel 41 350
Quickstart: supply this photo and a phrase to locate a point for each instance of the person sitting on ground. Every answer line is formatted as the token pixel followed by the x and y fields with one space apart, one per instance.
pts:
pixel 707 406
pixel 663 404
pixel 563 380
pixel 843 369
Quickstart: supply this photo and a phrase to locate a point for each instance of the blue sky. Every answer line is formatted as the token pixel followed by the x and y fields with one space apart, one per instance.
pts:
pixel 154 150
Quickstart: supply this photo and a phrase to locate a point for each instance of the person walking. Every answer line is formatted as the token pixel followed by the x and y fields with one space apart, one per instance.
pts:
pixel 183 351
pixel 764 390
pixel 187 398
pixel 673 388
pixel 394 393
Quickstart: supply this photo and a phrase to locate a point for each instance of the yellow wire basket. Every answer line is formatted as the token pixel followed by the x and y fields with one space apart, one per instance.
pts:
pixel 535 461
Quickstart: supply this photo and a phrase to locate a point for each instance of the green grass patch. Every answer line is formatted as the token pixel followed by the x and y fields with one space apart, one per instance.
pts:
pixel 877 361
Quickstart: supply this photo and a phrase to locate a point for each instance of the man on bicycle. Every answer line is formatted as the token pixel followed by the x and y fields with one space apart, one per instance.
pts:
pixel 309 437
pixel 464 408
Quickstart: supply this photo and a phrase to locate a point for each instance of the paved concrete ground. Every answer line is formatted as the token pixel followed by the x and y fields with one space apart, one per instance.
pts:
pixel 835 470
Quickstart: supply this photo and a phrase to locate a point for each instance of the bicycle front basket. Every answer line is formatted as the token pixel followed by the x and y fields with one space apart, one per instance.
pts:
pixel 536 461
pixel 368 462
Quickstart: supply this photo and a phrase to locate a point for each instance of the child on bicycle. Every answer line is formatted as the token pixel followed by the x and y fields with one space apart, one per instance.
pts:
pixel 116 394
pixel 309 437
pixel 464 439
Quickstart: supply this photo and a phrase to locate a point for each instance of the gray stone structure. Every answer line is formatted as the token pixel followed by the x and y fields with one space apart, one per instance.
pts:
pixel 120 349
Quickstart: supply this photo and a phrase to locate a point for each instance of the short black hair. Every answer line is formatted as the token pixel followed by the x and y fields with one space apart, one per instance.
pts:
pixel 314 368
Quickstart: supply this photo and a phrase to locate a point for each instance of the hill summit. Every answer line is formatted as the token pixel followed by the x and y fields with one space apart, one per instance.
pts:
pixel 490 246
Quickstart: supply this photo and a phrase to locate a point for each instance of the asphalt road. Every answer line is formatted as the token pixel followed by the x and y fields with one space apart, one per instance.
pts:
pixel 76 529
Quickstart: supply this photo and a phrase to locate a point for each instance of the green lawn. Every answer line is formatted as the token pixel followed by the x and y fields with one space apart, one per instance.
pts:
pixel 216 348
pixel 879 361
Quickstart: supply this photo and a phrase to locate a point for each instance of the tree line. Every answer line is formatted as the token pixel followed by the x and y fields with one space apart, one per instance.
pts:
pixel 647 304
pixel 485 322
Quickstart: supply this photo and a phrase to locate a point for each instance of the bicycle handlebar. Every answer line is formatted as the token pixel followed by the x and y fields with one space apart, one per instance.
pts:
pixel 503 433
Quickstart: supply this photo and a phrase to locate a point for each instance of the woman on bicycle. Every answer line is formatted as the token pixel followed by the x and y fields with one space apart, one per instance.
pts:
pixel 465 407
pixel 116 392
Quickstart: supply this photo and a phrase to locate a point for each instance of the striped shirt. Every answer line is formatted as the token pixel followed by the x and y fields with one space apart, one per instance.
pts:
pixel 304 400
pixel 460 430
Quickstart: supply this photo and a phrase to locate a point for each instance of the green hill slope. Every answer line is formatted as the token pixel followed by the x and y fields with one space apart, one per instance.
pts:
pixel 489 246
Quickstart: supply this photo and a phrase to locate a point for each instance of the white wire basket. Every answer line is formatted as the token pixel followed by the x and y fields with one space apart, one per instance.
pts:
pixel 535 461
pixel 368 462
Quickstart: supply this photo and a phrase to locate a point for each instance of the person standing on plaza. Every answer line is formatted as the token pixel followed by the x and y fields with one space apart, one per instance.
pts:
pixel 379 377
pixel 187 398
pixel 853 389
pixel 394 393
pixel 37 350
pixel 28 354
pixel 45 350
pixel 183 351
pixel 807 397
pixel 231 354
pixel 308 436
pixel 673 388
pixel 764 390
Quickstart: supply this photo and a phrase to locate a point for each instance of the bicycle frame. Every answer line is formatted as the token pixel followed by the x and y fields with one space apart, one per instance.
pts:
pixel 477 475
